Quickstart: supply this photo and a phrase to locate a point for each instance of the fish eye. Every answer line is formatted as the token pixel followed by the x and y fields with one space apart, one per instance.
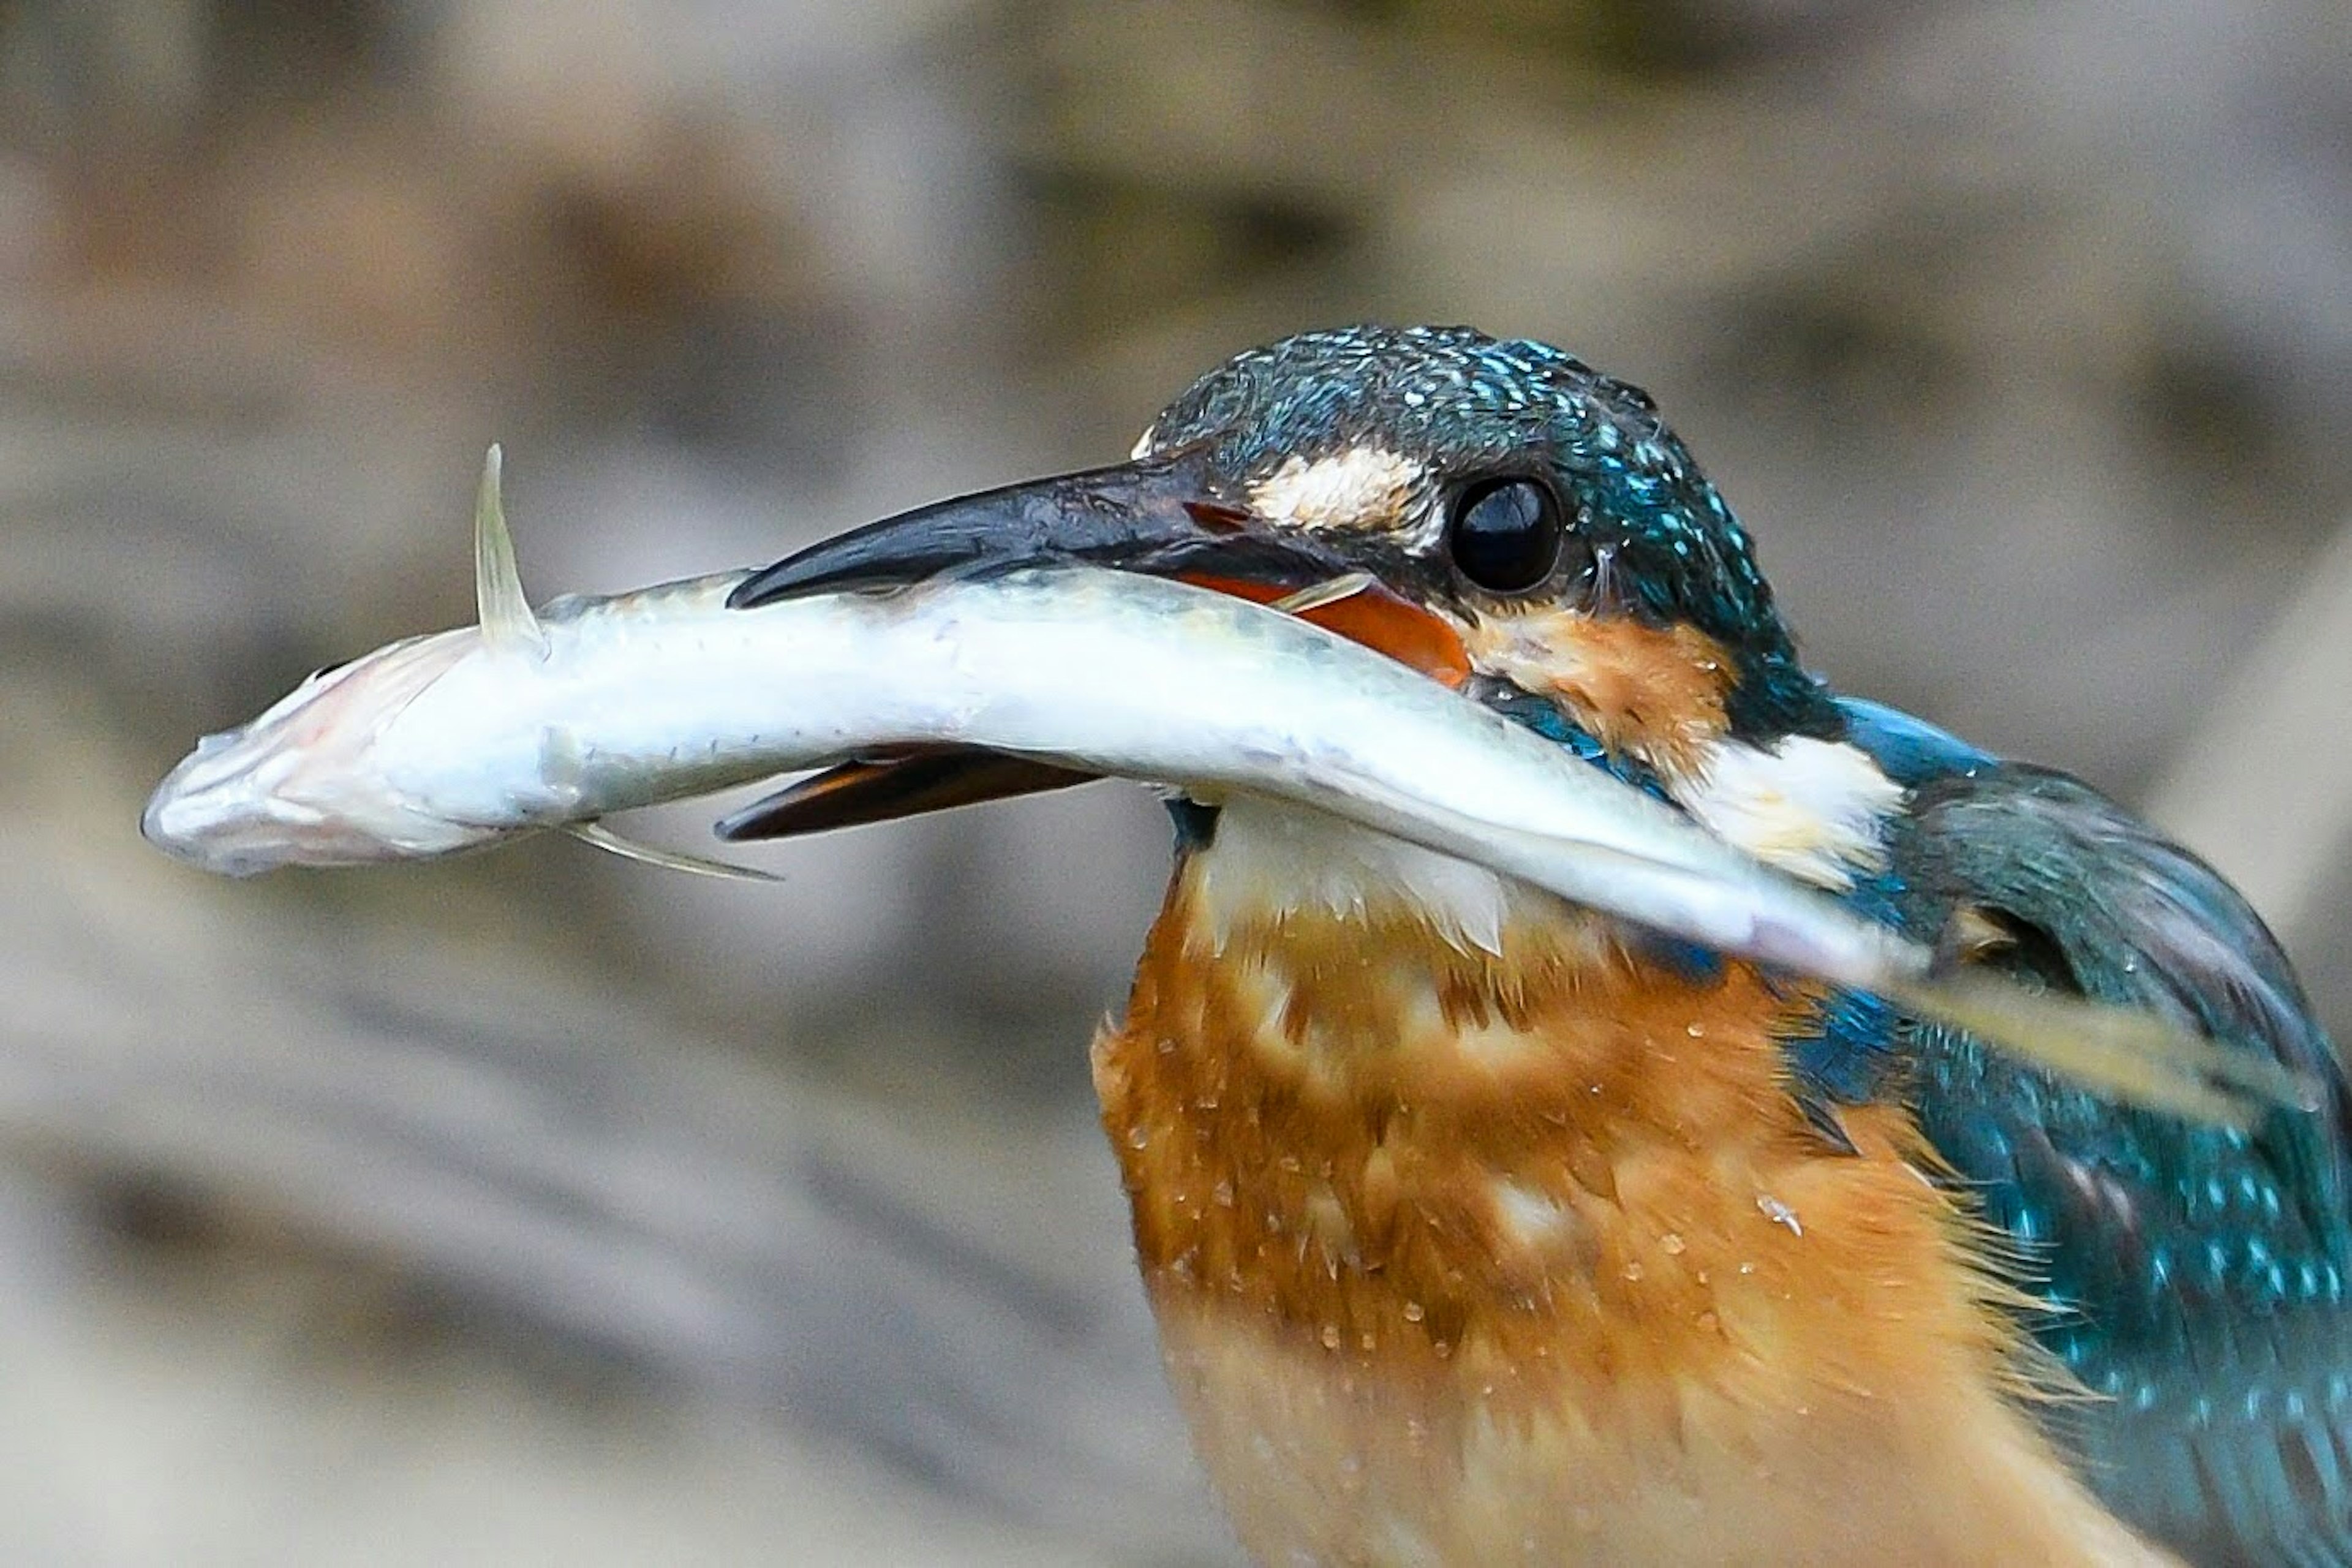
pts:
pixel 1504 533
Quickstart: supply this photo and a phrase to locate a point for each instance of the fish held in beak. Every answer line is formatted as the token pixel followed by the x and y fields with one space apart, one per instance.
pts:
pixel 1168 518
pixel 597 706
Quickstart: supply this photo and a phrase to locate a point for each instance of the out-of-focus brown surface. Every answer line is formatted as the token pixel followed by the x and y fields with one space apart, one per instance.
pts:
pixel 537 1209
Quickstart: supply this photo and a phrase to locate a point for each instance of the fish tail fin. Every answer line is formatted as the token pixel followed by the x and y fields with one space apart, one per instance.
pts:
pixel 2135 1056
pixel 611 843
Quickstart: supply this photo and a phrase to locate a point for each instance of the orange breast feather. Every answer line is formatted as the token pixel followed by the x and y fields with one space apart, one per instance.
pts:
pixel 1474 1257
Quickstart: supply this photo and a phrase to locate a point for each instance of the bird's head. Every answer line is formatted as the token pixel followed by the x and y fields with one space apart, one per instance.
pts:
pixel 1509 519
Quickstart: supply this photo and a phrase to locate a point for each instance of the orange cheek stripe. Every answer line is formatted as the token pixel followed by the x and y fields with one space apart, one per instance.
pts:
pixel 1659 692
pixel 1374 617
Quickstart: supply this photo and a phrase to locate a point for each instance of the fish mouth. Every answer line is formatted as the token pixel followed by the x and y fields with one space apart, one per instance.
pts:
pixel 292 787
pixel 204 815
pixel 1171 516
pixel 227 809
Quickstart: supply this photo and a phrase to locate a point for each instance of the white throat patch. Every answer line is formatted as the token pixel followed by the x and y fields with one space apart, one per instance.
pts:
pixel 1270 860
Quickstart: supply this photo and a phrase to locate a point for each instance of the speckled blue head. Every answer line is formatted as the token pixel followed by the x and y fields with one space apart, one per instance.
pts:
pixel 1463 407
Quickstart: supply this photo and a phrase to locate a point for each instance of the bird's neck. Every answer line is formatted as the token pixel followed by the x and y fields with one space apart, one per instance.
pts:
pixel 1425 1165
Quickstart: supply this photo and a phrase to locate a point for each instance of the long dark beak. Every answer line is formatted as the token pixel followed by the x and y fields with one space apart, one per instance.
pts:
pixel 1168 518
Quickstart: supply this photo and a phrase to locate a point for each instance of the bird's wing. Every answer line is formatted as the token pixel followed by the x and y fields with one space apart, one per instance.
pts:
pixel 2196 1275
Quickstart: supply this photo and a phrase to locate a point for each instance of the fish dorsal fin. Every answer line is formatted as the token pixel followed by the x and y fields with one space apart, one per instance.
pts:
pixel 506 616
pixel 611 843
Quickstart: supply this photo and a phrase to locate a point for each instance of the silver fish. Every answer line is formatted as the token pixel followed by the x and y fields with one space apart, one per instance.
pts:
pixel 588 707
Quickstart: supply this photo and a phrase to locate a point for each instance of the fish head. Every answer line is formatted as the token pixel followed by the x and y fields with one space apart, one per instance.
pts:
pixel 304 783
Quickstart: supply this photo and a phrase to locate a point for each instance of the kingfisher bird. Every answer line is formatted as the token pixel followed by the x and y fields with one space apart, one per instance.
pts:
pixel 1480 1228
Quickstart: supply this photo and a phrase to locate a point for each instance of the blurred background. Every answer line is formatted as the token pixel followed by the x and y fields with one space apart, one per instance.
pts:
pixel 540 1207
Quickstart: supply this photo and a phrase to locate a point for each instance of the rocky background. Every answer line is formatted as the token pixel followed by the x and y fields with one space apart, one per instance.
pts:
pixel 540 1208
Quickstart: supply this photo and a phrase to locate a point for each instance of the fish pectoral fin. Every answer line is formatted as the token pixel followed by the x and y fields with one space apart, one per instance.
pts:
pixel 611 843
pixel 854 794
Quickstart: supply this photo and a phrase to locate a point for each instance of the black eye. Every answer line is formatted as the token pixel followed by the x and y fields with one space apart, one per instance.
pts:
pixel 1506 534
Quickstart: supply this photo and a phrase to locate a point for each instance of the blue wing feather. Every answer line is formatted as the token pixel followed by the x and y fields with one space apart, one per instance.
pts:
pixel 2196 1276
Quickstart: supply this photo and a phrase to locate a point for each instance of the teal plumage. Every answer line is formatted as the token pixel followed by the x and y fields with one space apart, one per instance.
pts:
pixel 2195 1275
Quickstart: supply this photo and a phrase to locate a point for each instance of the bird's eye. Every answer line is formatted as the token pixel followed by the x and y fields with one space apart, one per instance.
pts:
pixel 1505 534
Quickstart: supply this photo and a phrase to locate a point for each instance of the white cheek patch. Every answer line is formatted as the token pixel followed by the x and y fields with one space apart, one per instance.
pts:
pixel 1362 487
pixel 1816 809
pixel 1270 861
